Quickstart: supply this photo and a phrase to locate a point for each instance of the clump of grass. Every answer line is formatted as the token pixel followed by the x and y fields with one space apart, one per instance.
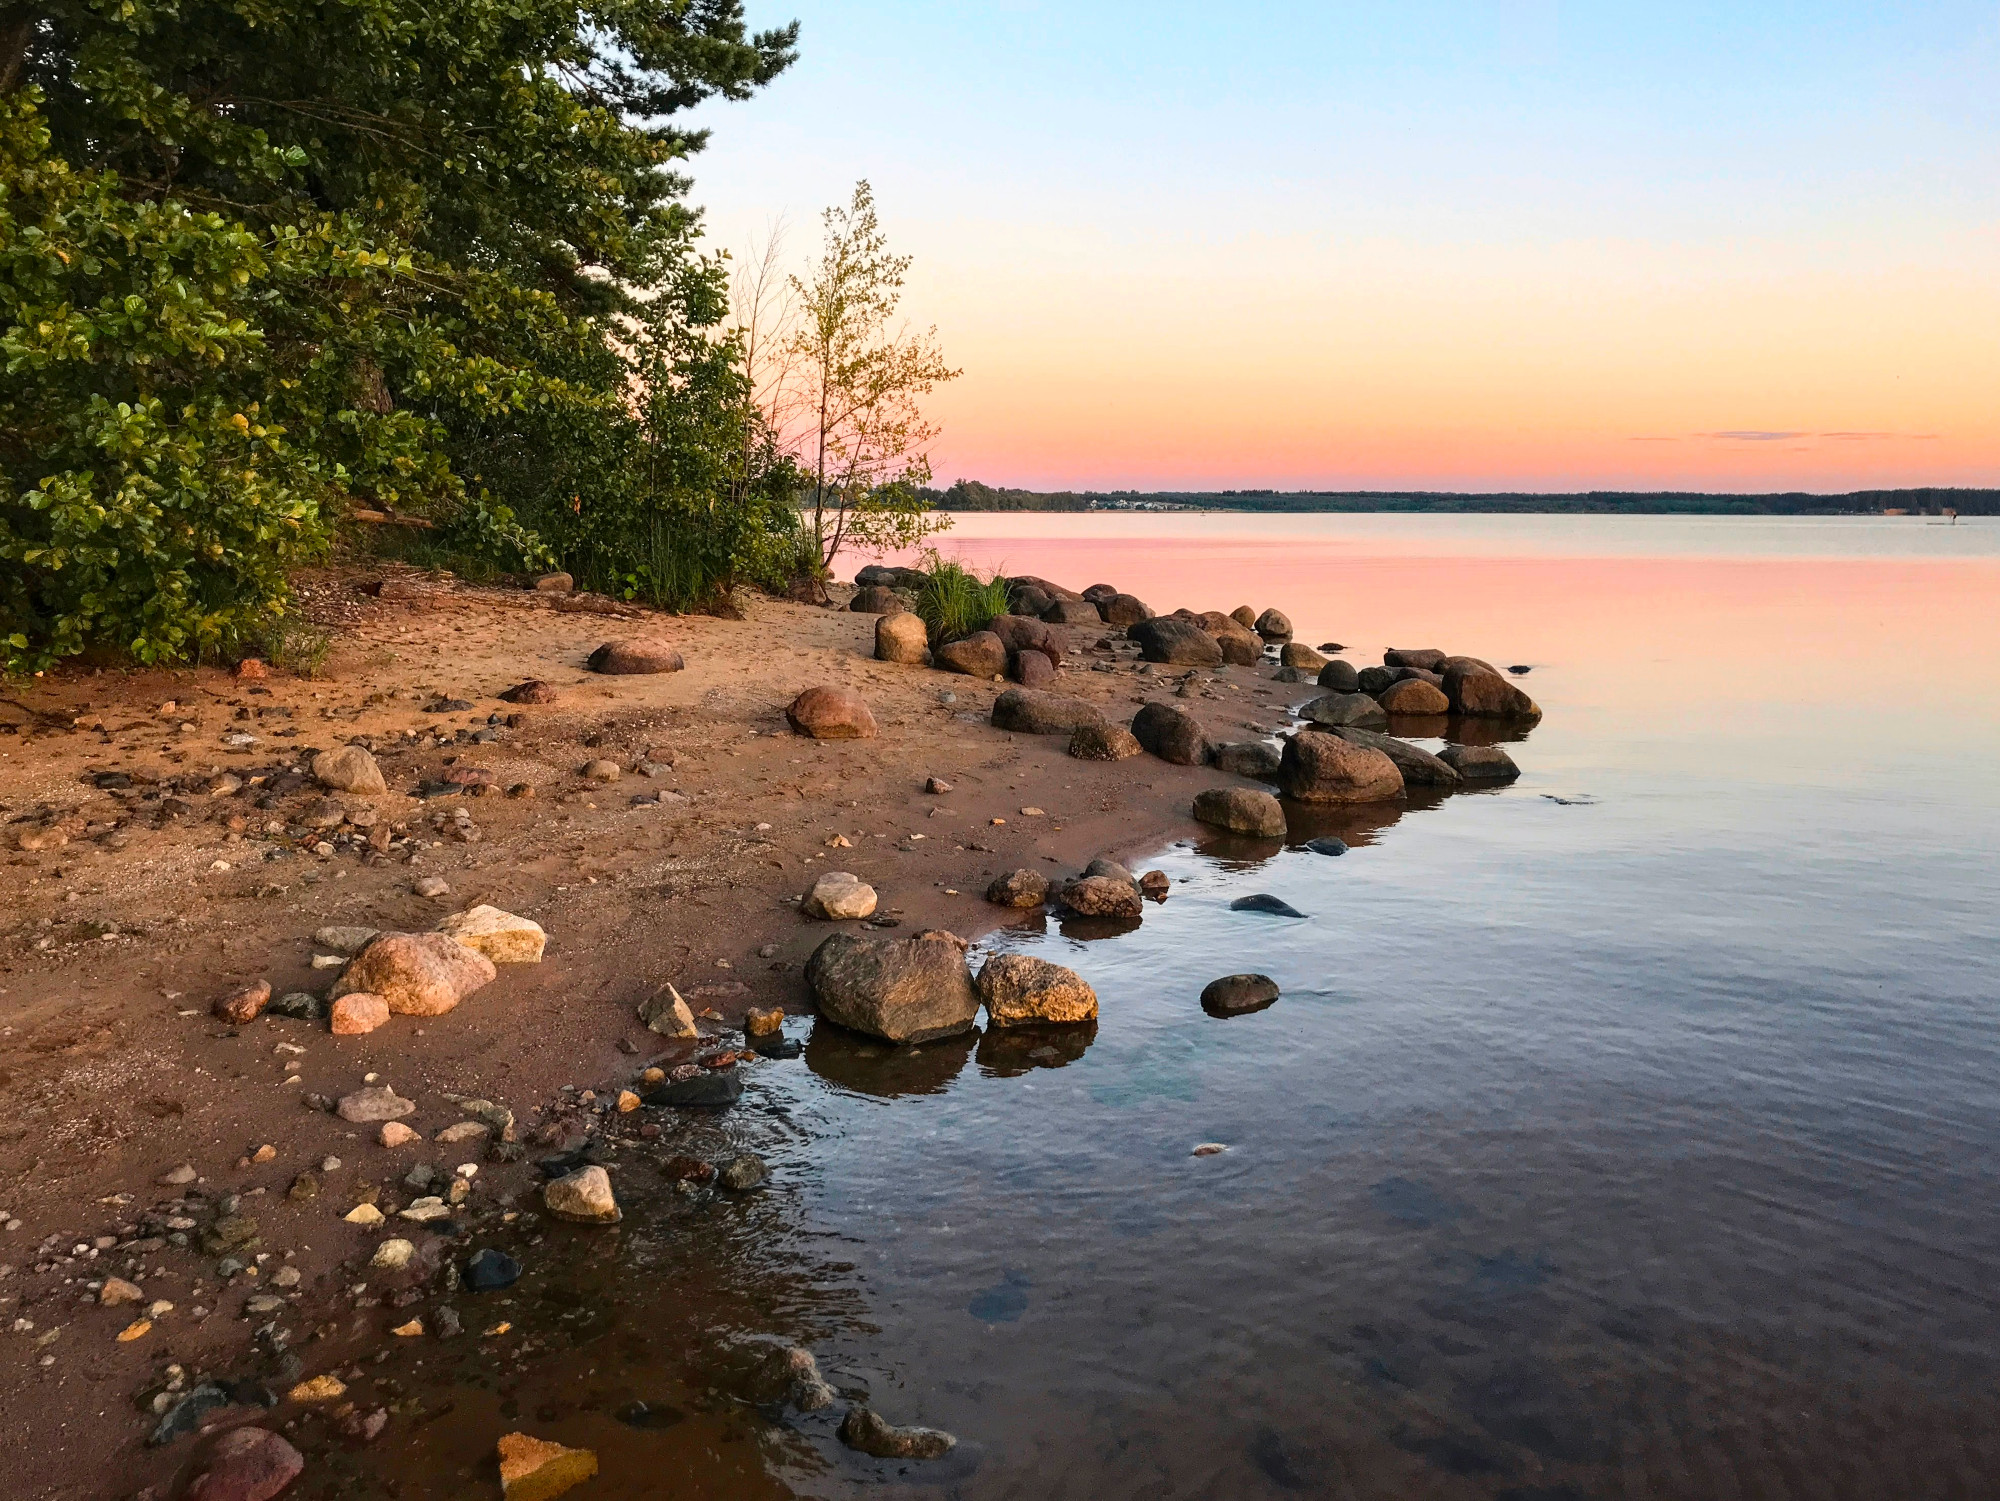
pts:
pixel 954 601
pixel 298 647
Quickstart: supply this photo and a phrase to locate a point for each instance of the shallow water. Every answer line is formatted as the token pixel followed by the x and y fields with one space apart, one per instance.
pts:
pixel 1628 1132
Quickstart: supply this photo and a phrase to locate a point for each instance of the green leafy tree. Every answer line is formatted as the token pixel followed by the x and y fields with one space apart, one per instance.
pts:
pixel 262 265
pixel 857 382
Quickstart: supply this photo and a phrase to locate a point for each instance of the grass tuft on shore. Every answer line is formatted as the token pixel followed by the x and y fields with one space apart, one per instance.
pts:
pixel 954 601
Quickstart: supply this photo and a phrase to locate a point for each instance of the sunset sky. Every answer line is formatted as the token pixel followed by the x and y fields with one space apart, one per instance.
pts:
pixel 1512 244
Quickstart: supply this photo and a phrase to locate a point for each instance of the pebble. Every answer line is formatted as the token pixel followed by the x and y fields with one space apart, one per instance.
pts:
pixel 376 1103
pixel 393 1255
pixel 117 1290
pixel 490 1271
pixel 319 1389
pixel 363 1214
pixel 431 886
pixel 396 1134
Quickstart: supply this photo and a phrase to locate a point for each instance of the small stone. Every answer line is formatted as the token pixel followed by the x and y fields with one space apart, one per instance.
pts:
pixel 305 1186
pixel 426 1210
pixel 393 1255
pixel 600 770
pixel 297 1005
pixel 365 1215
pixel 1101 896
pixel 396 1134
pixel 1209 1149
pixel 936 785
pixel 287 1277
pixel 839 895
pixel 318 1389
pixel 667 1014
pixel 244 1006
pixel 349 769
pixel 117 1290
pixel 377 1102
pixel 873 1434
pixel 412 1330
pixel 532 1469
pixel 583 1197
pixel 464 1131
pixel 764 1021
pixel 365 1427
pixel 344 940
pixel 627 1102
pixel 432 886
pixel 1022 888
pixel 263 1303
pixel 176 1177
pixel 744 1172
pixel 489 1271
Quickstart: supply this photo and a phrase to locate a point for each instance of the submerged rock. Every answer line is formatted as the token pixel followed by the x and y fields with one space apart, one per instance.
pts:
pixel 1326 844
pixel 1264 902
pixel 1102 896
pixel 1236 995
pixel 1319 768
pixel 1480 763
pixel 711 1091
pixel 583 1197
pixel 871 1433
pixel 793 1374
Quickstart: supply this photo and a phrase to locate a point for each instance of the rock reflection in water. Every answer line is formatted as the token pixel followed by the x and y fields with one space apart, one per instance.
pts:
pixel 884 1069
pixel 1007 1052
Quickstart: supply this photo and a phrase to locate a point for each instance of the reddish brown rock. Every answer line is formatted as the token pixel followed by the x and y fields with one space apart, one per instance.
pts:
pixel 831 714
pixel 247 1464
pixel 635 658
pixel 980 655
pixel 244 1005
pixel 1102 896
pixel 1487 695
pixel 1320 768
pixel 416 974
pixel 358 1014
pixel 1413 696
pixel 534 691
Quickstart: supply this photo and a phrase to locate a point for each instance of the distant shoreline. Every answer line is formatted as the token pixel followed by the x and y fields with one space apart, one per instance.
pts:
pixel 972 496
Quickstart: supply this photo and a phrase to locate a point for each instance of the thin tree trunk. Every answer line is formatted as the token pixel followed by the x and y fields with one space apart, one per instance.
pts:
pixel 17 29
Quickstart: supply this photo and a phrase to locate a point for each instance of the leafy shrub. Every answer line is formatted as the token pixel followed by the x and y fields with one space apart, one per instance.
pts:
pixel 954 601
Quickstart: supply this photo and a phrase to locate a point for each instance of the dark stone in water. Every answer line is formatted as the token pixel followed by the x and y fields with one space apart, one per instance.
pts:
pixel 1326 845
pixel 712 1090
pixel 1520 671
pixel 490 1270
pixel 871 1433
pixel 648 1416
pixel 775 1045
pixel 1263 901
pixel 1237 995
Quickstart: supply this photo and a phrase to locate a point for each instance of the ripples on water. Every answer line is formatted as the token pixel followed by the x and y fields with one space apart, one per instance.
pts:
pixel 1624 1133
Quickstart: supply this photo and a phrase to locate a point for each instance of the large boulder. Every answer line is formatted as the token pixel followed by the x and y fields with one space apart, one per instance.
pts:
pixel 348 769
pixel 902 637
pixel 1244 616
pixel 1298 654
pixel 1464 664
pixel 839 896
pixel 980 655
pixel 1031 712
pixel 1098 594
pixel 1239 648
pixel 1023 633
pixel 638 657
pixel 1103 742
pixel 1102 896
pixel 1019 990
pixel 1023 888
pixel 828 713
pixel 1418 766
pixel 1336 709
pixel 1026 599
pixel 1048 587
pixel 1413 696
pixel 1181 642
pixel 884 576
pixel 900 989
pixel 1375 679
pixel 1319 768
pixel 1339 676
pixel 1234 995
pixel 1487 695
pixel 1406 656
pixel 1273 625
pixel 1247 758
pixel 1030 668
pixel 247 1464
pixel 1124 610
pixel 873 599
pixel 1480 763
pixel 417 974
pixel 1072 612
pixel 583 1197
pixel 1241 810
pixel 500 936
pixel 1171 734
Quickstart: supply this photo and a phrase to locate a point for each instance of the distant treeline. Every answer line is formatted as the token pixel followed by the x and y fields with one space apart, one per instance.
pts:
pixel 971 495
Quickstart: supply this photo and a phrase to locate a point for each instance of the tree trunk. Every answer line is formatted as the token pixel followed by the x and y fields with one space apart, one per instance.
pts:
pixel 17 29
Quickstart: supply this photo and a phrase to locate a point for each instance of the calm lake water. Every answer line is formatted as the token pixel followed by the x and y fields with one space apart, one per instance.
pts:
pixel 1628 1132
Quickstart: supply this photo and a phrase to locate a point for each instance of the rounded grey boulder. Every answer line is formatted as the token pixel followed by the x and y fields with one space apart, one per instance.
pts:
pixel 1241 810
pixel 1480 763
pixel 1235 995
pixel 899 989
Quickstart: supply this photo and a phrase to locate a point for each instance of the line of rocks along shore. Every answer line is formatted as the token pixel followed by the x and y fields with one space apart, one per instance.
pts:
pixel 903 990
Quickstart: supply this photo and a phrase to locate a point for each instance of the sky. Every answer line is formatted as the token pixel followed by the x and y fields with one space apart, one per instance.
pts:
pixel 1517 244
